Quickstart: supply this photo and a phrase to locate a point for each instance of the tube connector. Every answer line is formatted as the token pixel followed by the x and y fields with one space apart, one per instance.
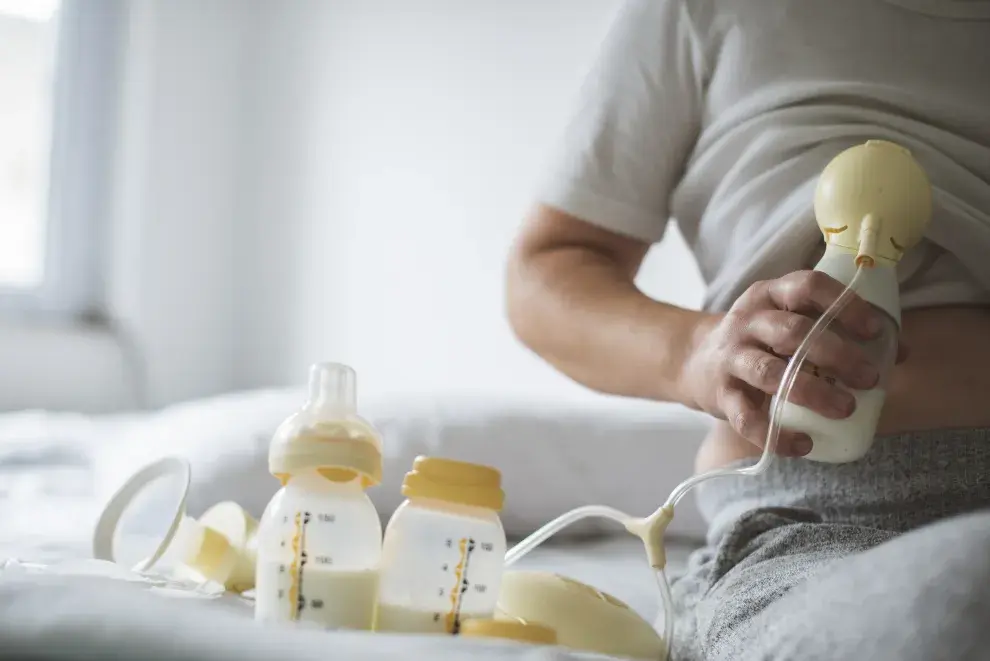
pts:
pixel 651 530
pixel 869 234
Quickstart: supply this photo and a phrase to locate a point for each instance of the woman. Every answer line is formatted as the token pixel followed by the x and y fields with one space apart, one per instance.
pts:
pixel 721 115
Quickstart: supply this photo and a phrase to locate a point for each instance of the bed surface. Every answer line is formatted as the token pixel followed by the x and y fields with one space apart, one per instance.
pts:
pixel 58 470
pixel 58 618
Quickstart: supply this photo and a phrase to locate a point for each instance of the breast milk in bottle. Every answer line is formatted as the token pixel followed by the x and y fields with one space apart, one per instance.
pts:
pixel 319 540
pixel 444 549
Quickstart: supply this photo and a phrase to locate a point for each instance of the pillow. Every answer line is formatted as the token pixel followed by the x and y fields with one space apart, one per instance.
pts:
pixel 553 456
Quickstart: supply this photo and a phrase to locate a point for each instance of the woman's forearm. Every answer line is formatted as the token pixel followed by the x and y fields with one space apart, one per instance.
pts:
pixel 579 309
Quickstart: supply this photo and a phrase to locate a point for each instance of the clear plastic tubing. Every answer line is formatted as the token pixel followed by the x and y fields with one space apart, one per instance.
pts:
pixel 769 447
pixel 667 600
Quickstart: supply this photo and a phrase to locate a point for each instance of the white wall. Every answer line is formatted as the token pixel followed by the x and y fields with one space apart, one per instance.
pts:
pixel 303 180
pixel 179 175
pixel 395 146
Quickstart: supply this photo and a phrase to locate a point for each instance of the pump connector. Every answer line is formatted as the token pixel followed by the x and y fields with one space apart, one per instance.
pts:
pixel 875 201
pixel 651 531
pixel 869 236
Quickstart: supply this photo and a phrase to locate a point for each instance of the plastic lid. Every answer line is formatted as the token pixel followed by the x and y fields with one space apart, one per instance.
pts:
pixel 524 632
pixel 454 482
pixel 327 434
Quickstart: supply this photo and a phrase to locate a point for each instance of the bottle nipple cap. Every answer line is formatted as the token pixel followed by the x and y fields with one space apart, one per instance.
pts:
pixel 333 389
pixel 327 435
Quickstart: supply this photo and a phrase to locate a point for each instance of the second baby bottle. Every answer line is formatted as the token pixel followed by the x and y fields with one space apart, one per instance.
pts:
pixel 319 540
pixel 444 549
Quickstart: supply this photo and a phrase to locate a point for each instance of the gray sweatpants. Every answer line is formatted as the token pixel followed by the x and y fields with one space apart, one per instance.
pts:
pixel 887 558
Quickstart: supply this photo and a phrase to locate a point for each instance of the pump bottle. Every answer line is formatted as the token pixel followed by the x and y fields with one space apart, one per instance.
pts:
pixel 872 203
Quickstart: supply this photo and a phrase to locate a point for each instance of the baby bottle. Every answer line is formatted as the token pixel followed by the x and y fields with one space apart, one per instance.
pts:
pixel 319 540
pixel 872 203
pixel 444 547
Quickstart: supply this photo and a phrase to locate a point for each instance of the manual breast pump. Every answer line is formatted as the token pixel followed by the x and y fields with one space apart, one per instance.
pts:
pixel 872 203
pixel 319 539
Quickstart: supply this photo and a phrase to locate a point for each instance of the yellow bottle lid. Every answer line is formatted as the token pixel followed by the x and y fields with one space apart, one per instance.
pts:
pixel 523 632
pixel 456 482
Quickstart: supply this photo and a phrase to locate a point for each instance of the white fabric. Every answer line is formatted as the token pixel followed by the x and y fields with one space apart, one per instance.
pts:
pixel 57 618
pixel 721 114
pixel 57 470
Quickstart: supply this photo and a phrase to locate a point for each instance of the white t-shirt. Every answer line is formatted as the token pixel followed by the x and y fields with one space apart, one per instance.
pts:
pixel 721 114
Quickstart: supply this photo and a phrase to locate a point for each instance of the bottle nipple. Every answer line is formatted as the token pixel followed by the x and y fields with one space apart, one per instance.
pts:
pixel 327 434
pixel 332 389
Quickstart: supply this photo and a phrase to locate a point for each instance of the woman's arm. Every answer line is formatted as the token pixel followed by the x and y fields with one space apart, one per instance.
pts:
pixel 571 298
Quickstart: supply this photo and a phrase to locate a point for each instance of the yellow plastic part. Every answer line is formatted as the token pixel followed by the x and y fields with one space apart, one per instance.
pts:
pixel 239 531
pixel 523 632
pixel 339 451
pixel 584 618
pixel 875 201
pixel 213 557
pixel 454 482
pixel 326 434
pixel 651 530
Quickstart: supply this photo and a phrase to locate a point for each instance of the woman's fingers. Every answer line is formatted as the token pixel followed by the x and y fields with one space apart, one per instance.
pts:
pixel 764 371
pixel 784 331
pixel 746 411
pixel 813 291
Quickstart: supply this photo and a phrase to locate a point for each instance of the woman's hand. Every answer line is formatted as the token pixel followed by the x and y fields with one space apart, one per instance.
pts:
pixel 739 358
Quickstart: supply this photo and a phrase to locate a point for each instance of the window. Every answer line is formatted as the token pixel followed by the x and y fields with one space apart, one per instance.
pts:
pixel 58 62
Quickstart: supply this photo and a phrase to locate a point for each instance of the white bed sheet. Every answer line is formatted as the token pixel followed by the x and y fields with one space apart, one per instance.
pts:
pixel 57 618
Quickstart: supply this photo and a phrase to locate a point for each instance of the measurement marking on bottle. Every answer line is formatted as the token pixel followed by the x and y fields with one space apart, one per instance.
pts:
pixel 294 567
pixel 297 602
pixel 461 584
